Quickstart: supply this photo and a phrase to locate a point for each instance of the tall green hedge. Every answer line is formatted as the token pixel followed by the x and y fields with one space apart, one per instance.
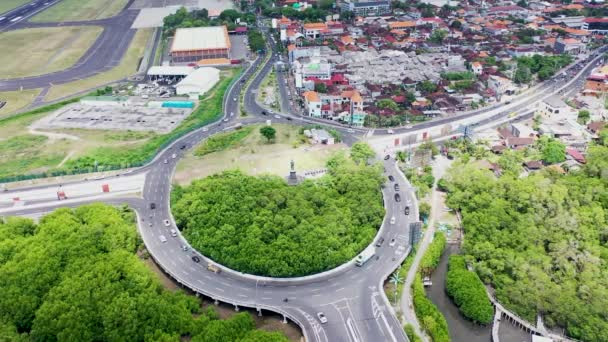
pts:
pixel 431 257
pixel 430 317
pixel 468 292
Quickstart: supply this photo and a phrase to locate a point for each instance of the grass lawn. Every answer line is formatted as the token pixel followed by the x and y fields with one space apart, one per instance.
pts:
pixel 254 156
pixel 269 84
pixel 16 100
pixel 70 10
pixel 7 5
pixel 127 67
pixel 37 51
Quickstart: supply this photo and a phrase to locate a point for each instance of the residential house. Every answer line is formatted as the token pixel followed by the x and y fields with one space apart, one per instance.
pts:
pixel 313 30
pixel 477 68
pixel 518 143
pixel 312 103
pixel 569 46
pixel 551 105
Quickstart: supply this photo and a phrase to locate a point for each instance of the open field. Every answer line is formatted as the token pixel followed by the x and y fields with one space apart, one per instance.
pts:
pixel 16 100
pixel 254 156
pixel 127 67
pixel 37 51
pixel 70 10
pixel 7 5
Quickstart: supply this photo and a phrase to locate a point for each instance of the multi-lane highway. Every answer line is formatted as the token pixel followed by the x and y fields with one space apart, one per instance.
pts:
pixel 105 53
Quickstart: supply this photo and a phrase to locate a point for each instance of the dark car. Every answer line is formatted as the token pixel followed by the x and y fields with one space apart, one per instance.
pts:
pixel 288 118
pixel 406 210
pixel 380 242
pixel 391 178
pixel 264 112
pixel 397 198
pixel 396 187
pixel 182 147
pixel 387 157
pixel 152 205
pixel 196 259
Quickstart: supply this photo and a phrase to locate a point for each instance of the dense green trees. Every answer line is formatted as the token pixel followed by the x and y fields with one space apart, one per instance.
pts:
pixel 468 292
pixel 553 151
pixel 361 152
pixel 75 277
pixel 541 241
pixel 256 40
pixel 261 225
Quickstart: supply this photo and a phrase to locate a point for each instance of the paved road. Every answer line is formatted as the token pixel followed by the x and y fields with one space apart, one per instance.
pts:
pixel 22 13
pixel 105 53
pixel 351 297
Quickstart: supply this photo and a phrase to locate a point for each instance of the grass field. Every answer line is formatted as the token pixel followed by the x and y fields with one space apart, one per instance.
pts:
pixel 71 10
pixel 127 67
pixel 37 51
pixel 7 5
pixel 255 156
pixel 16 100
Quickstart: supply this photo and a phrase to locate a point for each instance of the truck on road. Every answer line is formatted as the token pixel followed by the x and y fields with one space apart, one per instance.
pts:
pixel 364 257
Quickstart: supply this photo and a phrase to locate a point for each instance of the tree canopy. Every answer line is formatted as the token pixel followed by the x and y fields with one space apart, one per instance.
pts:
pixel 468 292
pixel 76 277
pixel 260 225
pixel 541 241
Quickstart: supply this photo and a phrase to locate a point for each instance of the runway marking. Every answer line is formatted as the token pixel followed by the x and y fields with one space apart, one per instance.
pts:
pixel 221 290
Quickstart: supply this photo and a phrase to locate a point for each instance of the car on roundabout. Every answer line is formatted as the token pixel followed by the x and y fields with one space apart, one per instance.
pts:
pixel 322 318
pixel 196 259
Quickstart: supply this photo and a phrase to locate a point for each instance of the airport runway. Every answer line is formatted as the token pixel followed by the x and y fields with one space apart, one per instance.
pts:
pixel 105 53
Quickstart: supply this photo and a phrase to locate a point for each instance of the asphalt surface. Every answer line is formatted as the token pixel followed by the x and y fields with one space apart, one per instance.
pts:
pixel 22 13
pixel 105 53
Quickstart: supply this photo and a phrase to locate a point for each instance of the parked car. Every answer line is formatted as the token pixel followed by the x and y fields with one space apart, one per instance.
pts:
pixel 397 198
pixel 162 238
pixel 380 242
pixel 396 186
pixel 393 220
pixel 391 178
pixel 392 243
pixel 406 210
pixel 167 223
pixel 173 232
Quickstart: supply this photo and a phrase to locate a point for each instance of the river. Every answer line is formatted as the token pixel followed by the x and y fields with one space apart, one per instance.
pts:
pixel 461 329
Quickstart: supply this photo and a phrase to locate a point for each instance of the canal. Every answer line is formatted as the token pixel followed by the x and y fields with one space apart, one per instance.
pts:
pixel 461 329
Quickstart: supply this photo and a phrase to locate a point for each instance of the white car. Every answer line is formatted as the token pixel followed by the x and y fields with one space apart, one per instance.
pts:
pixel 173 155
pixel 393 220
pixel 392 243
pixel 205 129
pixel 322 317
pixel 166 161
pixel 234 99
pixel 162 238
pixel 231 113
pixel 167 223
pixel 173 232
pixel 390 131
pixel 277 117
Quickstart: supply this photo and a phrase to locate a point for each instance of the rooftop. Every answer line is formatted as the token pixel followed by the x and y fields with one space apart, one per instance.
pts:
pixel 200 38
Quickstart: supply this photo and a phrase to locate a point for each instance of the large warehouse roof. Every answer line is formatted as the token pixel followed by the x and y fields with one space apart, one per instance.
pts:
pixel 170 70
pixel 200 38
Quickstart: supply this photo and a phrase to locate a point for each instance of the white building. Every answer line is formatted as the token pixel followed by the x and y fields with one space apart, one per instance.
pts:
pixel 198 82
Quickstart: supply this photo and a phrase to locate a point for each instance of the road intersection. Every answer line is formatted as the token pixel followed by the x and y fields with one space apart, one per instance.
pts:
pixel 351 297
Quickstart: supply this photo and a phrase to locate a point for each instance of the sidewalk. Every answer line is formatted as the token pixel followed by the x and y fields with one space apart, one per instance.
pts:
pixel 440 166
